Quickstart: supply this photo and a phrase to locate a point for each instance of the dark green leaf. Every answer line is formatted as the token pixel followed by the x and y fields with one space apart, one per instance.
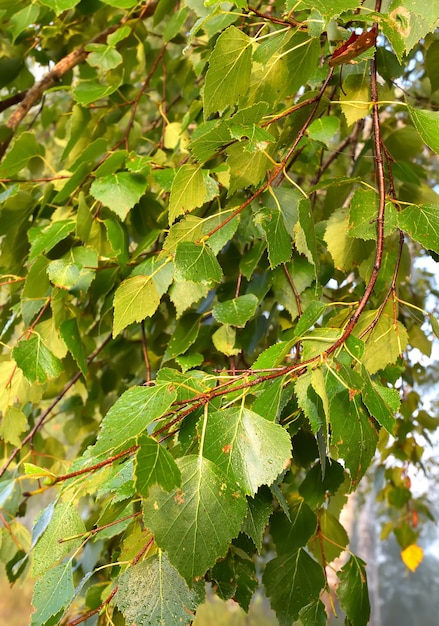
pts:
pixel 292 581
pixel 353 593
pixel 290 535
pixel 259 510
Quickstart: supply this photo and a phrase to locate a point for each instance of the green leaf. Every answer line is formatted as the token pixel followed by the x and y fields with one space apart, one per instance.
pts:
pixel 353 432
pixel 329 9
pixel 23 149
pixel 155 466
pixel 292 581
pixel 353 593
pixel 59 5
pixel 432 65
pixel 291 534
pixel 245 169
pixel 65 524
pixel 22 19
pixel 196 522
pixel 324 129
pixel 43 239
pixel 422 224
pixel 330 539
pixel 228 76
pixel 426 123
pixel 53 593
pixel 255 138
pixel 13 424
pixel 236 312
pixel 138 297
pixel 354 100
pixel 86 92
pixel 385 342
pixel 260 507
pixel 153 592
pixel 251 450
pixel 36 360
pixel 131 414
pixel 103 56
pixel 188 191
pixel 196 263
pixel 185 334
pixel 224 340
pixel 304 233
pixel 268 403
pixel 70 335
pixel 363 212
pixel 372 395
pixel 278 239
pixel 313 614
pixel 120 192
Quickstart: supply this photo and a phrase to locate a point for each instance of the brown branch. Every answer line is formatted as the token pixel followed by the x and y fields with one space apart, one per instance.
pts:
pixel 36 92
pixel 380 175
pixel 278 170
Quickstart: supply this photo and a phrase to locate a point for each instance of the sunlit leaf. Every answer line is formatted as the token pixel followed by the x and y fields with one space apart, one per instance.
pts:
pixel 251 450
pixel 155 466
pixel 36 360
pixel 195 522
pixel 412 556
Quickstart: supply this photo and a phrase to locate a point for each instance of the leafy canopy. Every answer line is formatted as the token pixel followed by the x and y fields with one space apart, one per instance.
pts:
pixel 211 215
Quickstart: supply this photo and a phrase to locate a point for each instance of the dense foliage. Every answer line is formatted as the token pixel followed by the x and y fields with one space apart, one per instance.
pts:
pixel 210 213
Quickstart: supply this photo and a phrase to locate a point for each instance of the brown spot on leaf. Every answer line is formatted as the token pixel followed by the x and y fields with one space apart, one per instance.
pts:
pixel 227 448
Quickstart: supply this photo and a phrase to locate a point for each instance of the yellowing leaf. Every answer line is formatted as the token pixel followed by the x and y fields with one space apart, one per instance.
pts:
pixel 355 100
pixel 412 556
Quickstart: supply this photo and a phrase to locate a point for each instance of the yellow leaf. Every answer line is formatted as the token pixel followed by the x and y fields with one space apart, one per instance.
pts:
pixel 412 556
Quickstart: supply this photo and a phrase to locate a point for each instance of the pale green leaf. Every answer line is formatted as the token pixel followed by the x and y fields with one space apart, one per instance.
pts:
pixel 155 466
pixel 185 293
pixel 53 594
pixel 13 424
pixel 236 312
pixel 331 539
pixel 224 340
pixel 66 523
pixel 119 191
pixel 251 450
pixel 196 263
pixel 121 4
pixel 375 398
pixel 131 414
pixel 63 274
pixel 386 341
pixel 354 100
pixel 292 581
pixel 103 56
pixel 35 360
pixel 228 76
pixel 340 245
pixel 245 169
pixel 188 191
pixel 153 592
pixel 196 522
pixel 135 299
pixel 363 212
